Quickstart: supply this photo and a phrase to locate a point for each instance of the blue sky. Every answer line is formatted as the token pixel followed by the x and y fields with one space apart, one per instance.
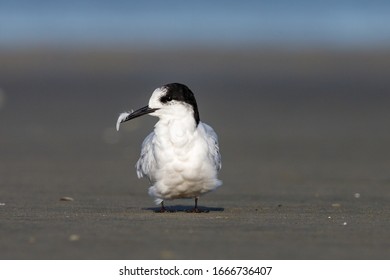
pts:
pixel 210 23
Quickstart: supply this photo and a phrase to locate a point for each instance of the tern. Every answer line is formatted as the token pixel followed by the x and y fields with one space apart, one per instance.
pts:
pixel 181 156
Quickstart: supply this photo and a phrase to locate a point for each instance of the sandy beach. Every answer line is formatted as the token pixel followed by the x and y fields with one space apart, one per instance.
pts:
pixel 304 137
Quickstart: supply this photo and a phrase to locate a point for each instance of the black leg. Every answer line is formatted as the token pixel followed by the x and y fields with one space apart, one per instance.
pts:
pixel 162 209
pixel 196 205
pixel 196 209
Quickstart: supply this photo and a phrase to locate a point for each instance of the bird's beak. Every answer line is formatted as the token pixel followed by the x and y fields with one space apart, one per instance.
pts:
pixel 124 117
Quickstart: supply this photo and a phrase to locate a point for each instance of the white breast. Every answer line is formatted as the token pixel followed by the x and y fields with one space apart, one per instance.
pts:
pixel 184 163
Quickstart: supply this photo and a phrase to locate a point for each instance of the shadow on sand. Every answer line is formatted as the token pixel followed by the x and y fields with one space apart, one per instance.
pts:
pixel 181 208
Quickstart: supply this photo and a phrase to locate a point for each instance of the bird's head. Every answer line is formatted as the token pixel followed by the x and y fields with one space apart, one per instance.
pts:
pixel 169 101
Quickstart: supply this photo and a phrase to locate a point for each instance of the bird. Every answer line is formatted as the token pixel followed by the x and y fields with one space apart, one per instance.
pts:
pixel 181 156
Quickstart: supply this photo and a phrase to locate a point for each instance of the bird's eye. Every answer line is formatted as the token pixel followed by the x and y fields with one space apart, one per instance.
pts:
pixel 166 98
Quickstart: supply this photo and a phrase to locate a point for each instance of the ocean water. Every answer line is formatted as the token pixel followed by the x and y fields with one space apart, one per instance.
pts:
pixel 206 23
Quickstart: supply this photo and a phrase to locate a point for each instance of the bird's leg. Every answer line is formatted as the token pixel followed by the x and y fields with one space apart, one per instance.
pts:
pixel 196 209
pixel 162 209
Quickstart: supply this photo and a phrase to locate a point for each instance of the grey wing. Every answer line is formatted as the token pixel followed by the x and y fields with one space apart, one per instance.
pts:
pixel 147 162
pixel 212 140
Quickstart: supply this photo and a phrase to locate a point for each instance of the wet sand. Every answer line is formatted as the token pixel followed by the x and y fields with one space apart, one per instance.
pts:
pixel 304 139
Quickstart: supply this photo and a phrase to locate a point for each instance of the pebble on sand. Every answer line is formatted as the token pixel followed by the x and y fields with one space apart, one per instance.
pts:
pixel 66 198
pixel 356 195
pixel 74 237
pixel 167 254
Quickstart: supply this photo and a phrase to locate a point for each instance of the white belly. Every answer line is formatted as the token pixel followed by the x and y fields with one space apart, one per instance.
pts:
pixel 184 167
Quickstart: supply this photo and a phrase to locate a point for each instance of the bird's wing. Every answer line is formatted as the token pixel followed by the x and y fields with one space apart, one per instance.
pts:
pixel 147 162
pixel 212 141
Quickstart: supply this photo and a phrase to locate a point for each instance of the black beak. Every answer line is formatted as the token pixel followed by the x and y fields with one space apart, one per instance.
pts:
pixel 140 112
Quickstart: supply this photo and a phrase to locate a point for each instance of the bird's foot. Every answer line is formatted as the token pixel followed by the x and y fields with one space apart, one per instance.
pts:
pixel 162 208
pixel 196 209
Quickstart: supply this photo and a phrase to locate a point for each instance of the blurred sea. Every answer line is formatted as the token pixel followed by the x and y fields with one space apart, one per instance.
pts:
pixel 161 24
